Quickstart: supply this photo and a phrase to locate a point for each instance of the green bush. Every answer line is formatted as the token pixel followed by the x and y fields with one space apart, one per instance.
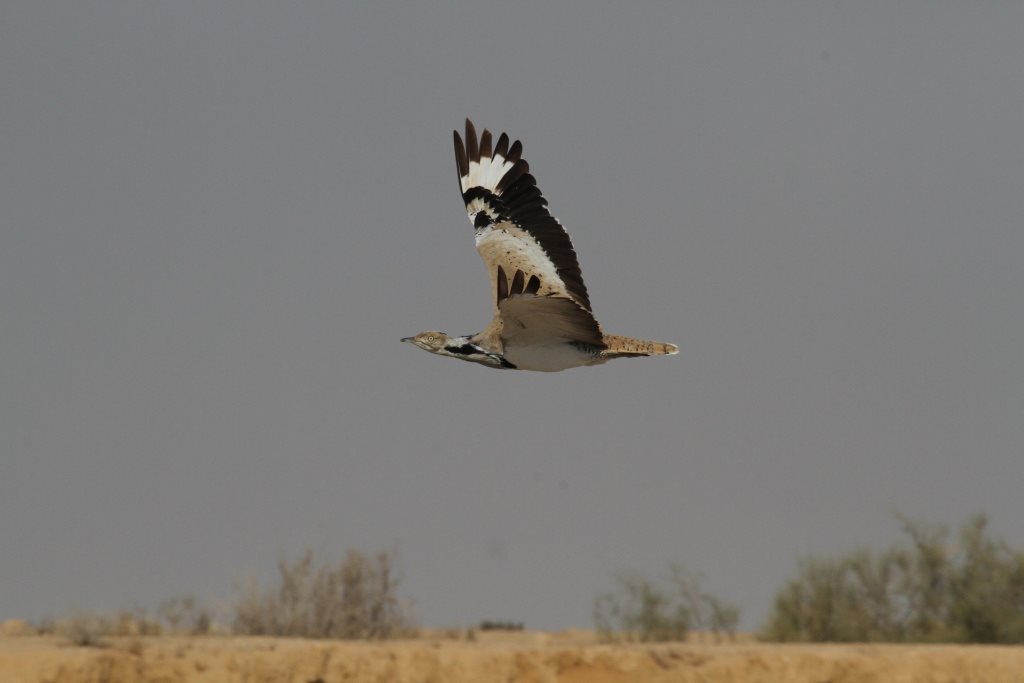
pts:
pixel 646 610
pixel 928 590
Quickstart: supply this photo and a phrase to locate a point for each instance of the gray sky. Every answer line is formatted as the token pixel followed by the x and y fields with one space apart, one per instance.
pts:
pixel 218 219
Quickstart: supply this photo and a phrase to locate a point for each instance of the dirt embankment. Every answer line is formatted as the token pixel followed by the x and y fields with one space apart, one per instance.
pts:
pixel 525 658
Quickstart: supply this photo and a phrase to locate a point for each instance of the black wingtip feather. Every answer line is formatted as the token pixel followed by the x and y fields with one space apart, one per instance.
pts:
pixel 472 146
pixel 501 150
pixel 485 144
pixel 461 160
pixel 515 151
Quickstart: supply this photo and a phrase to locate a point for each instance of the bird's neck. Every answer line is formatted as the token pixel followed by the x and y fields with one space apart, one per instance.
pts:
pixel 465 348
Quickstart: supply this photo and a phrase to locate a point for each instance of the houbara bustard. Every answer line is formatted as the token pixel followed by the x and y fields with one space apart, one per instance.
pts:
pixel 542 316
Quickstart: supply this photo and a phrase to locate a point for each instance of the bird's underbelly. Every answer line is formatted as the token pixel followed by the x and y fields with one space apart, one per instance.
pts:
pixel 549 358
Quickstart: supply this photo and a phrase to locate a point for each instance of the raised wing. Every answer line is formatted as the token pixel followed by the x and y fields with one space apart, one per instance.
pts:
pixel 515 233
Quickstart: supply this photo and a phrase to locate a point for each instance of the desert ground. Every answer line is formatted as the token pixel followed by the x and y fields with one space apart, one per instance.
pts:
pixel 506 657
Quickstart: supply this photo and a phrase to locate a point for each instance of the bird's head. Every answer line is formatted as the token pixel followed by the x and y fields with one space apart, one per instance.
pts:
pixel 429 341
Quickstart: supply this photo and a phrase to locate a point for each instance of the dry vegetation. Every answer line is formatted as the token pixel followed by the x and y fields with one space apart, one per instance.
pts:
pixel 929 590
pixel 322 623
pixel 641 609
pixel 356 600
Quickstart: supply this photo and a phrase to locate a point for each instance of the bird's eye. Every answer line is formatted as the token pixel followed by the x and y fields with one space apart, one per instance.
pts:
pixel 430 338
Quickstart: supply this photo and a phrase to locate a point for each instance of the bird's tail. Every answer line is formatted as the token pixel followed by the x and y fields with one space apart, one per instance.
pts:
pixel 628 347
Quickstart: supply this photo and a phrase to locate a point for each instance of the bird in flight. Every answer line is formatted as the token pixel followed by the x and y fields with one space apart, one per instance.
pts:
pixel 542 316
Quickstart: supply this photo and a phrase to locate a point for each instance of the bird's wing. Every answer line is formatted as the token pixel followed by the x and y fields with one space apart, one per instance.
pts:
pixel 515 233
pixel 525 318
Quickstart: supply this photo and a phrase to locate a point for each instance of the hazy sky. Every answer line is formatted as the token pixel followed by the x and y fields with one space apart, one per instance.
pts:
pixel 217 219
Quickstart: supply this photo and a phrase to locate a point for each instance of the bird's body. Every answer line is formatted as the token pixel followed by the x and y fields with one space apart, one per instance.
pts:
pixel 553 357
pixel 542 319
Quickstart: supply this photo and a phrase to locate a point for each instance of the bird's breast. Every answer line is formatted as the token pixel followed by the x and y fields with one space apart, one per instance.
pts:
pixel 549 357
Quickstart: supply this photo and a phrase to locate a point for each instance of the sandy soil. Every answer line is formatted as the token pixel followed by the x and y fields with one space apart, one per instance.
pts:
pixel 494 657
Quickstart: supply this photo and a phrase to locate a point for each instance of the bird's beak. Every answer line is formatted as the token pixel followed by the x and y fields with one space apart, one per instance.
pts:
pixel 408 339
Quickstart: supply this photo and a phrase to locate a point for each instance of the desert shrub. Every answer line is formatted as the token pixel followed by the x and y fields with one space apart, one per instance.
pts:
pixel 180 615
pixel 17 628
pixel 85 629
pixel 927 590
pixel 707 612
pixel 88 629
pixel 639 609
pixel 45 626
pixel 355 599
pixel 644 609
pixel 135 623
pixel 988 588
pixel 183 614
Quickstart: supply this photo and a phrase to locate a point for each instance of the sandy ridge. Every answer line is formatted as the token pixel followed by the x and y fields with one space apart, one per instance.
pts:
pixel 526 659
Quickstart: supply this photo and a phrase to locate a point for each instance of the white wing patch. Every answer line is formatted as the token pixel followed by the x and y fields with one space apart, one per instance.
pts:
pixel 486 173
